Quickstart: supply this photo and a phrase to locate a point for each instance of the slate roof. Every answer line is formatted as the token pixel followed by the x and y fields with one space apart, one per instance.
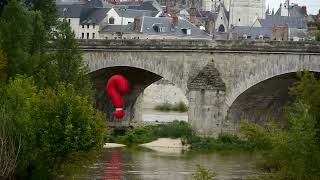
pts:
pixel 70 10
pixel 294 11
pixel 253 31
pixel 118 28
pixel 95 16
pixel 149 5
pixel 293 22
pixel 148 23
pixel 131 13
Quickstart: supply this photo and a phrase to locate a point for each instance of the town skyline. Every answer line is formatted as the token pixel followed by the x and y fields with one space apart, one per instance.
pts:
pixel 313 6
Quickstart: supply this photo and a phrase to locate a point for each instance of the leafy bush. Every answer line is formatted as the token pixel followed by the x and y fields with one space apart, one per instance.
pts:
pixel 180 107
pixel 64 123
pixel 318 36
pixel 223 142
pixel 175 129
pixel 203 174
pixel 256 135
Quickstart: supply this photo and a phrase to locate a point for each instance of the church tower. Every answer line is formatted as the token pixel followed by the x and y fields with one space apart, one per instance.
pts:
pixel 246 12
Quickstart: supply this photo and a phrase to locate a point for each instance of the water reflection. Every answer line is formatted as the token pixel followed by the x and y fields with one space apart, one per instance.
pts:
pixel 113 167
pixel 124 163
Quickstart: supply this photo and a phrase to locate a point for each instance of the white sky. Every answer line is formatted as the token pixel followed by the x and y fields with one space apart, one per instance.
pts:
pixel 313 6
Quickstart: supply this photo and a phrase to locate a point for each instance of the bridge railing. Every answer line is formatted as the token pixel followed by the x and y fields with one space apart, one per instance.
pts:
pixel 199 45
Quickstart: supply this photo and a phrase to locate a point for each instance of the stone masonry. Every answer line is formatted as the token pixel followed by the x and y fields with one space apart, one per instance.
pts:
pixel 213 74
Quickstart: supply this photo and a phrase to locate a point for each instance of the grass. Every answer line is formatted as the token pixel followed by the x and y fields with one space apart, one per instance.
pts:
pixel 183 130
pixel 166 107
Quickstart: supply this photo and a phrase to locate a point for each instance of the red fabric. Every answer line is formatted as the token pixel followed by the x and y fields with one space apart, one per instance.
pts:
pixel 116 86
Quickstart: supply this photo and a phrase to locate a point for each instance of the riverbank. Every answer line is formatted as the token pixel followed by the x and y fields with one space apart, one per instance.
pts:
pixel 166 145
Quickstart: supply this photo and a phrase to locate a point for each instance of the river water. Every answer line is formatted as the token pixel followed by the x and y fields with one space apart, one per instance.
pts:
pixel 144 164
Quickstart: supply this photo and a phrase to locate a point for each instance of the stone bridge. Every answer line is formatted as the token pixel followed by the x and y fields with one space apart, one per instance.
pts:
pixel 224 81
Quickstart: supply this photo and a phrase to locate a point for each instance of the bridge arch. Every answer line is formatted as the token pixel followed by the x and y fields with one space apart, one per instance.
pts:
pixel 261 92
pixel 169 69
pixel 138 79
pixel 268 67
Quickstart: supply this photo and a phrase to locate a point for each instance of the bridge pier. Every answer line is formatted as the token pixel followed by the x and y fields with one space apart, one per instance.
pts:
pixel 207 110
pixel 207 107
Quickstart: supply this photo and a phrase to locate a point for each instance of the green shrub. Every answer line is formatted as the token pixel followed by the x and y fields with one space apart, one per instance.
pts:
pixel 165 107
pixel 318 36
pixel 203 174
pixel 175 129
pixel 256 135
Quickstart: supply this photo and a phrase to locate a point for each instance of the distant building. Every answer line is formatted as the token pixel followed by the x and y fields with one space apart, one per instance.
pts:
pixel 246 12
pixel 280 32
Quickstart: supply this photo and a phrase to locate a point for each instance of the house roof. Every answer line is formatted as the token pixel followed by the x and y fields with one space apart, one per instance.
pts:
pixel 294 11
pixel 293 22
pixel 95 16
pixel 149 5
pixel 131 13
pixel 77 9
pixel 118 28
pixel 148 24
pixel 70 10
pixel 253 31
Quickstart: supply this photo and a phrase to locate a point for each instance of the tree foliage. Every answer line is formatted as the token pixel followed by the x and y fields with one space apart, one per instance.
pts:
pixel 68 60
pixel 16 39
pixel 64 123
pixel 293 151
pixel 48 11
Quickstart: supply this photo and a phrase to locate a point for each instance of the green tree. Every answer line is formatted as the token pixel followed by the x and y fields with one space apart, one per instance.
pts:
pixel 307 91
pixel 48 10
pixel 2 4
pixel 3 66
pixel 295 152
pixel 69 64
pixel 317 36
pixel 16 30
pixel 64 123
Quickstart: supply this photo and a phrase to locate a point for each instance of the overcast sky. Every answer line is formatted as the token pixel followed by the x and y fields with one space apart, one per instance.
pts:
pixel 313 6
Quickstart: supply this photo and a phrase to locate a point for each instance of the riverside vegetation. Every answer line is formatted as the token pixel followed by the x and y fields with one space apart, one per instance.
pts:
pixel 290 151
pixel 48 122
pixel 165 107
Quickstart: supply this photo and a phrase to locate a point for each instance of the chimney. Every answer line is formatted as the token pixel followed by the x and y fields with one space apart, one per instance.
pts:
pixel 193 13
pixel 174 19
pixel 207 25
pixel 304 10
pixel 137 24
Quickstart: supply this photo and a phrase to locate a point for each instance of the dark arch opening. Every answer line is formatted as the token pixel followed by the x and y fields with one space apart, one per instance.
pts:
pixel 262 102
pixel 221 28
pixel 138 80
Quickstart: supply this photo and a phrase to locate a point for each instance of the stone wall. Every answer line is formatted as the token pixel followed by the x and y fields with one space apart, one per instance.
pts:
pixel 213 74
pixel 162 92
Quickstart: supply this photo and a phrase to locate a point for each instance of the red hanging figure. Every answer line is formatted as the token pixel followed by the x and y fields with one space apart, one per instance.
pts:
pixel 116 86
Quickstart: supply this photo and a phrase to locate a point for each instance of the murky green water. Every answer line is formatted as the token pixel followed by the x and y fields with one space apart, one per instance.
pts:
pixel 125 163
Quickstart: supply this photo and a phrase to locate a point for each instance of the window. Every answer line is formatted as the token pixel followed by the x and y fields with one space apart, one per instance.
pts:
pixel 93 35
pixel 94 26
pixel 87 35
pixel 82 35
pixel 111 20
pixel 88 26
pixel 69 20
pixel 82 26
pixel 239 19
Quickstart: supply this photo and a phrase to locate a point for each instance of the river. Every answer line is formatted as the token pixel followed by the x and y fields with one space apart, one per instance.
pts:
pixel 144 164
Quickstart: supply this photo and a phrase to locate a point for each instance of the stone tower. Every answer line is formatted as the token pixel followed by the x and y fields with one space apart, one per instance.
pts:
pixel 246 12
